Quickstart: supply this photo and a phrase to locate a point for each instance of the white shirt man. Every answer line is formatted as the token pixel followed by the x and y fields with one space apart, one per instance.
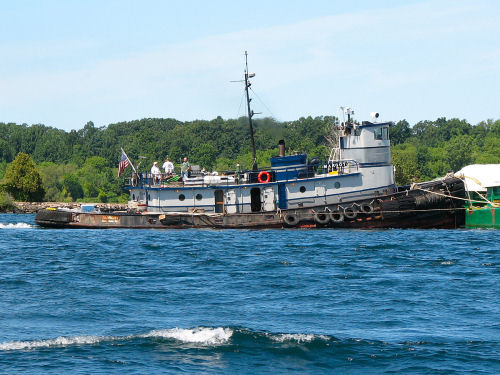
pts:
pixel 168 166
pixel 155 170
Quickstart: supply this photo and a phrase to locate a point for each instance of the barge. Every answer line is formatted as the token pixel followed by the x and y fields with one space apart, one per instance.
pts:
pixel 482 183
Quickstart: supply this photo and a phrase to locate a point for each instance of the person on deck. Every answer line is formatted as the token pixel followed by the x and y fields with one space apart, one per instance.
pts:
pixel 168 166
pixel 185 168
pixel 155 171
pixel 238 173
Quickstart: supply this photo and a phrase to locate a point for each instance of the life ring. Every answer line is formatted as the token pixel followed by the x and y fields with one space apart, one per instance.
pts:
pixel 264 177
pixel 321 217
pixel 366 208
pixel 134 180
pixel 350 212
pixel 337 216
pixel 291 219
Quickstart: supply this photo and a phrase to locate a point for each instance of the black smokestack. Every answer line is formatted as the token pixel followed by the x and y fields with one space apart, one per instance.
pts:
pixel 281 147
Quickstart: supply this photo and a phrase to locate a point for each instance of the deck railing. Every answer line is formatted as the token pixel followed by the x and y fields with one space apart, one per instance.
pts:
pixel 340 167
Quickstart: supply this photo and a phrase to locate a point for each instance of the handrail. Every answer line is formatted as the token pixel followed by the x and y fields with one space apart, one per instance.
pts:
pixel 147 179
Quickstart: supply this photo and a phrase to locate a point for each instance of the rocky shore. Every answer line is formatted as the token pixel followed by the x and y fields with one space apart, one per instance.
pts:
pixel 33 207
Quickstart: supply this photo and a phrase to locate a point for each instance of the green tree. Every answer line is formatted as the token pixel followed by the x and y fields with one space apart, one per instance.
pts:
pixel 404 158
pixel 459 152
pixel 423 159
pixel 6 202
pixel 204 155
pixel 72 187
pixel 3 167
pixel 22 179
pixel 437 163
pixel 52 177
pixel 95 176
pixel 5 151
pixel 490 152
pixel 400 132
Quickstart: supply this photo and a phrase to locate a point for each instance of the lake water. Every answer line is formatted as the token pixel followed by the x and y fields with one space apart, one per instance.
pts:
pixel 248 301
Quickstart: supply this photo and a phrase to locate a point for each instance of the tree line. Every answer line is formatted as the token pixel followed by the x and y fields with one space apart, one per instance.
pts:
pixel 430 149
pixel 82 164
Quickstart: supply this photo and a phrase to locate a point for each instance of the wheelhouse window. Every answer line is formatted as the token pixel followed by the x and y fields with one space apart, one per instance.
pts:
pixel 385 133
pixel 381 133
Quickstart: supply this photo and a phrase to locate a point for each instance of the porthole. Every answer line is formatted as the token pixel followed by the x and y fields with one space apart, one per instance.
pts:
pixel 337 185
pixel 198 197
pixel 302 189
pixel 181 197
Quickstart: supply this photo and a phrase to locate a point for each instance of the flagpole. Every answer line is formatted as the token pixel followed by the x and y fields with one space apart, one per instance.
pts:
pixel 132 165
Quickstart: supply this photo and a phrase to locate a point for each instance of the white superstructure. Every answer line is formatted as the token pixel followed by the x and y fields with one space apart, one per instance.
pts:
pixel 360 170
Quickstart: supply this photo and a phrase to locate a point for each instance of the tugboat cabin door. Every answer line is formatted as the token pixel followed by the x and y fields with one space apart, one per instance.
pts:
pixel 219 201
pixel 255 200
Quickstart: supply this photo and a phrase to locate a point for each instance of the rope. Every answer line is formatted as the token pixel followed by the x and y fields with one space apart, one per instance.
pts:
pixel 462 177
pixel 452 197
pixel 486 199
pixel 239 108
pixel 426 210
pixel 463 199
pixel 264 104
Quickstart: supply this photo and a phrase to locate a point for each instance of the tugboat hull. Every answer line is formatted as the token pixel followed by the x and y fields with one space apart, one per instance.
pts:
pixel 433 204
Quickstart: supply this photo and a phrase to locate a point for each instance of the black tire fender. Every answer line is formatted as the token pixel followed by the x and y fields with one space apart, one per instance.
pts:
pixel 350 212
pixel 336 216
pixel 366 208
pixel 321 217
pixel 291 219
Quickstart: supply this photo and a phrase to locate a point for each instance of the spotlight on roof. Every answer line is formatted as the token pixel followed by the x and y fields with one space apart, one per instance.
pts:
pixel 374 114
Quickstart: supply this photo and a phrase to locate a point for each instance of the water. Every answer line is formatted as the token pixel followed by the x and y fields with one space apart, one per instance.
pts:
pixel 247 301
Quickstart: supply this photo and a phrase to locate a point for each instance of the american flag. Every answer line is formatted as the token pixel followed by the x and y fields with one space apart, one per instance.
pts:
pixel 123 164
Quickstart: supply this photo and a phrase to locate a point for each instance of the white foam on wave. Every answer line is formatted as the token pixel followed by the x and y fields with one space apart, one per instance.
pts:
pixel 200 335
pixel 59 341
pixel 15 226
pixel 297 337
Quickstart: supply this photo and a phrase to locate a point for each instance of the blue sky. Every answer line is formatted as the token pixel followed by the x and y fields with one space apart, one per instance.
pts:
pixel 68 62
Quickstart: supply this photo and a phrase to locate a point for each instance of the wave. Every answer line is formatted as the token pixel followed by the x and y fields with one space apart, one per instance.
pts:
pixel 15 226
pixel 297 337
pixel 199 335
pixel 203 336
pixel 57 342
pixel 212 337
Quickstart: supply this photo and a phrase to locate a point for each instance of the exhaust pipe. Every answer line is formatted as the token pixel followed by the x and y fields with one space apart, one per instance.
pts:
pixel 281 147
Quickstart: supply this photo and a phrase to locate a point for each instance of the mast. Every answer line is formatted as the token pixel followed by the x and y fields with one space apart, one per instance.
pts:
pixel 250 112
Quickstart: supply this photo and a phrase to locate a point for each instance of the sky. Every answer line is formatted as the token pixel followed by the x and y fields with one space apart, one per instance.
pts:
pixel 64 63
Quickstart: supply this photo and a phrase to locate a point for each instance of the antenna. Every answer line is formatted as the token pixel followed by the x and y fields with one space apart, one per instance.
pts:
pixel 250 112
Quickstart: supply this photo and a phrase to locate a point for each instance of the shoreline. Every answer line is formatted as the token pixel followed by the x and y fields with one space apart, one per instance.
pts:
pixel 34 207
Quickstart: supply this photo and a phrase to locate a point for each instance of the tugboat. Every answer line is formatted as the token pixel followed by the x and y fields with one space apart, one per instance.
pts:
pixel 354 188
